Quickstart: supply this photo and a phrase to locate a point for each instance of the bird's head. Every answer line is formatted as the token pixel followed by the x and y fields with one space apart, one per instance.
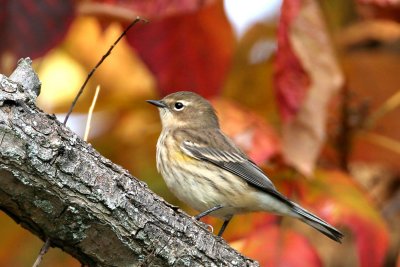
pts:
pixel 186 110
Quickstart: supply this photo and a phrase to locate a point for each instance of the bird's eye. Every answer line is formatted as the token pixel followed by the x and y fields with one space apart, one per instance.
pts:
pixel 178 106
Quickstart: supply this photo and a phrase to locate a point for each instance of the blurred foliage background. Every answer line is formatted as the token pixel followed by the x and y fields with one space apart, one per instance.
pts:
pixel 308 88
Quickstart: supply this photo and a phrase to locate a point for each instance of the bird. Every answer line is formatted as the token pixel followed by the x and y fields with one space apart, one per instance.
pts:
pixel 203 168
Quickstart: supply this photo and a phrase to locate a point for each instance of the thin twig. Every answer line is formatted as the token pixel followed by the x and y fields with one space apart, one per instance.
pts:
pixel 97 65
pixel 43 251
pixel 383 141
pixel 91 113
pixel 344 137
pixel 390 104
pixel 352 120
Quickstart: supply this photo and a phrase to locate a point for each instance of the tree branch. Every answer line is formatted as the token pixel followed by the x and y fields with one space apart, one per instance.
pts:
pixel 58 187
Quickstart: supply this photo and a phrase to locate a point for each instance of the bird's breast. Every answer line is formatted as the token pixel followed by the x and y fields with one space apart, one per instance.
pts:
pixel 201 184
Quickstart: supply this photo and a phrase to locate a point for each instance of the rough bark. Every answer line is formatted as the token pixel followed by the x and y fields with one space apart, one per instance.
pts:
pixel 57 186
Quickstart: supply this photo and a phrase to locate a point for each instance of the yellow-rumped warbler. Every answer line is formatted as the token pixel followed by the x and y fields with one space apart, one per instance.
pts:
pixel 204 169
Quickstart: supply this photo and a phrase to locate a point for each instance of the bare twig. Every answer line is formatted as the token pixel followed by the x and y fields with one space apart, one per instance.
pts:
pixel 352 120
pixel 383 141
pixel 43 251
pixel 91 113
pixel 345 134
pixel 97 65
pixel 390 104
pixel 382 30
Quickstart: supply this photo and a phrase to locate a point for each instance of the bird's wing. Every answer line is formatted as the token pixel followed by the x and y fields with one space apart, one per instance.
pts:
pixel 237 163
pixel 231 161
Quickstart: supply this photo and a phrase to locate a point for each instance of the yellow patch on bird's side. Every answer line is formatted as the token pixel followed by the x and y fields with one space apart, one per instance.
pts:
pixel 180 156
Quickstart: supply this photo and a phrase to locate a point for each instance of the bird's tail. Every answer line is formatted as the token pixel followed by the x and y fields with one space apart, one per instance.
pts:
pixel 317 223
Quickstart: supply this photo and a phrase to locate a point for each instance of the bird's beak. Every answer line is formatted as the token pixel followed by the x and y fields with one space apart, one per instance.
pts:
pixel 157 103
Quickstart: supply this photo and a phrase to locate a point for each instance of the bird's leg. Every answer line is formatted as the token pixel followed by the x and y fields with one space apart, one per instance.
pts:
pixel 223 227
pixel 206 212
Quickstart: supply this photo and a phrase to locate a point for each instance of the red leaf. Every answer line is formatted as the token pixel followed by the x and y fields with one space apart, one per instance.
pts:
pixel 380 2
pixel 31 28
pixel 187 51
pixel 158 8
pixel 335 198
pixel 368 239
pixel 275 246
pixel 250 131
pixel 290 78
pixel 378 9
pixel 304 46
